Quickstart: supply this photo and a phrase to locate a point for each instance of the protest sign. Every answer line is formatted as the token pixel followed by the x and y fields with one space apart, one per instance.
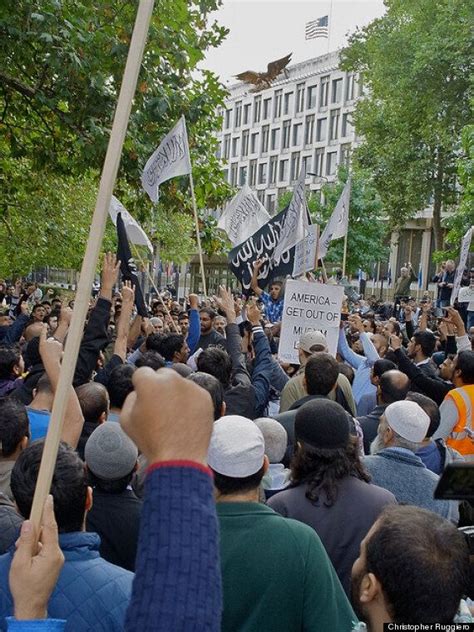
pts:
pixel 465 245
pixel 261 246
pixel 305 252
pixel 309 307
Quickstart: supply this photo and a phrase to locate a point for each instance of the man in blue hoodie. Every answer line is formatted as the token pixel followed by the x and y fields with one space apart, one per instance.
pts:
pixel 91 594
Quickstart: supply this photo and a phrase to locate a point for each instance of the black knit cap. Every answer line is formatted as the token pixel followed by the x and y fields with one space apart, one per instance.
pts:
pixel 322 423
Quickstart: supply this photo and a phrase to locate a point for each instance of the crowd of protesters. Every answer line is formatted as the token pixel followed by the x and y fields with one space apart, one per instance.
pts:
pixel 202 484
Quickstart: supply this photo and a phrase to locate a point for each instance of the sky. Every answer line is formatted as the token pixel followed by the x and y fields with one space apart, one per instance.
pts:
pixel 264 30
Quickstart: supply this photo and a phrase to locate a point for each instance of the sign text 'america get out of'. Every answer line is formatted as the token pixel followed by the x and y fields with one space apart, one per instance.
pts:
pixel 309 307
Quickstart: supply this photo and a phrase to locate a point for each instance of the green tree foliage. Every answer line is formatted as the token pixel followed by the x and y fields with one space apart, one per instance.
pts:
pixel 415 62
pixel 366 243
pixel 62 64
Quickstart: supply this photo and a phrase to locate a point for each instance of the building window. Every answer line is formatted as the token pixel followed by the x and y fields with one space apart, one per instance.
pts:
pixel 270 203
pixel 350 87
pixel 306 163
pixel 245 143
pixel 261 195
pixel 228 114
pixel 246 113
pixel 235 147
pixel 287 102
pixel 266 108
pixel 275 143
pixel 225 174
pixel 321 129
pixel 297 127
pixel 253 143
pixel 257 108
pixel 331 159
pixel 226 148
pixel 233 173
pixel 345 154
pixel 295 166
pixel 318 162
pixel 299 97
pixel 286 134
pixel 336 92
pixel 242 176
pixel 323 92
pixel 253 173
pixel 346 124
pixel 283 171
pixel 277 104
pixel 309 129
pixel 311 98
pixel 273 169
pixel 334 124
pixel 265 138
pixel 238 114
pixel 262 173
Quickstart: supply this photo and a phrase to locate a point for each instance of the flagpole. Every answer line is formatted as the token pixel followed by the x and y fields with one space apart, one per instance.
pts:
pixel 150 279
pixel 198 237
pixel 96 233
pixel 329 25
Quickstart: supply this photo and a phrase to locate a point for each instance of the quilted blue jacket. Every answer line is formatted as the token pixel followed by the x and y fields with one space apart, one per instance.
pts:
pixel 91 594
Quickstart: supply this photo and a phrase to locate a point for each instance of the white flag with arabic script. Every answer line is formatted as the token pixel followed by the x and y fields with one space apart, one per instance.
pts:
pixel 243 216
pixel 171 159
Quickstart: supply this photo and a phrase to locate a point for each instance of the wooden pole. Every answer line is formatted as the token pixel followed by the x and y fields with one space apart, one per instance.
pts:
pixel 145 267
pixel 107 181
pixel 198 237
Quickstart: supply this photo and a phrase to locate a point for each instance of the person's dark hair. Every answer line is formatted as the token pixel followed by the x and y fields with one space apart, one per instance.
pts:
pixel 152 359
pixel 228 485
pixel 430 407
pixel 346 370
pixel 14 425
pixel 109 487
pixel 69 485
pixel 394 386
pixel 322 468
pixel 169 345
pixel 43 385
pixel 320 372
pixel 93 400
pixel 216 362
pixel 382 366
pixel 391 355
pixel 9 358
pixel 182 316
pixel 209 311
pixel 427 342
pixel 371 320
pixel 422 563
pixel 152 343
pixel 465 363
pixel 120 384
pixel 215 389
pixel 31 354
pixel 58 302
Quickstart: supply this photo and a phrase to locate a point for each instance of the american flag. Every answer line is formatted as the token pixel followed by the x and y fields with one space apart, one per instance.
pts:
pixel 317 28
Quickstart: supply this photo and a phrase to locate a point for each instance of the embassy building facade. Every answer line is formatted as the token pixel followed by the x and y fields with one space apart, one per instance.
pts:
pixel 305 118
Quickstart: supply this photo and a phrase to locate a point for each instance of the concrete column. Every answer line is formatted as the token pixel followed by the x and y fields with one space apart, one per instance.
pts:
pixel 425 256
pixel 394 255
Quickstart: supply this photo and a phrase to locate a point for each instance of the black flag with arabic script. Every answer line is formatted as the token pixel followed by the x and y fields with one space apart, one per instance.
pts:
pixel 128 267
pixel 261 245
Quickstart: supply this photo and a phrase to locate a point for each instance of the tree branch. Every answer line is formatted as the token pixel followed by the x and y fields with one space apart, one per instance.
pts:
pixel 17 85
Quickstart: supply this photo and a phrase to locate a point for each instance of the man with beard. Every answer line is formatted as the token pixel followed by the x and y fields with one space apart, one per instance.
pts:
pixel 209 336
pixel 273 299
pixel 394 465
pixel 420 349
pixel 413 568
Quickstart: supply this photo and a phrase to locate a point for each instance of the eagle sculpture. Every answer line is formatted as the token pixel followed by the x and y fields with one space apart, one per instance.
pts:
pixel 263 80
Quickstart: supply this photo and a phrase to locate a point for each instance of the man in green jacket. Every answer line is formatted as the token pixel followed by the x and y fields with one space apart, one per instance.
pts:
pixel 276 574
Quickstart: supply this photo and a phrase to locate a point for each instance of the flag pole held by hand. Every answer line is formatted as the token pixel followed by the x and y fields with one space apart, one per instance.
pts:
pixel 107 181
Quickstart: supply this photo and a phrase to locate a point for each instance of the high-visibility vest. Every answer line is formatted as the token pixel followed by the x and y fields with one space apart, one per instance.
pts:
pixel 459 439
